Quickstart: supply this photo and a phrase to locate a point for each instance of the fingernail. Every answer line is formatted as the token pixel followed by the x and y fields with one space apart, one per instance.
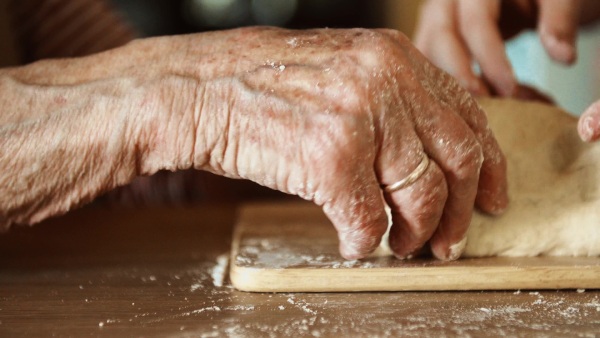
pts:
pixel 457 249
pixel 563 50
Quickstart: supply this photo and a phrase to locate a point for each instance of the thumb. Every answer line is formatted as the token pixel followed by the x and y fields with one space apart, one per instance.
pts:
pixel 358 214
pixel 557 26
pixel 589 123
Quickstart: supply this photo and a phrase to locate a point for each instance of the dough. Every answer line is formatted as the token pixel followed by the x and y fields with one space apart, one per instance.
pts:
pixel 554 186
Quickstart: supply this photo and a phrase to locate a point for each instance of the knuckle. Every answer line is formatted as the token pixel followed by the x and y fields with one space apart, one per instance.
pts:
pixel 466 160
pixel 394 34
pixel 345 133
pixel 352 97
pixel 381 47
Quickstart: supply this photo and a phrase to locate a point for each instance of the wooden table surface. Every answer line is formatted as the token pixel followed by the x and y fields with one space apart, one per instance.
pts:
pixel 161 272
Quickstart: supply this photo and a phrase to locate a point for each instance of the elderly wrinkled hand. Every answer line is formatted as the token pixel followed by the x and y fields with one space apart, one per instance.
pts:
pixel 333 116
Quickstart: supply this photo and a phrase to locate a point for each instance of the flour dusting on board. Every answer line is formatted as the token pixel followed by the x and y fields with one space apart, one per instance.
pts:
pixel 281 254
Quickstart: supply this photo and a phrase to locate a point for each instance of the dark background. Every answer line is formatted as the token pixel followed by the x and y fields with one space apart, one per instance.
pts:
pixel 165 17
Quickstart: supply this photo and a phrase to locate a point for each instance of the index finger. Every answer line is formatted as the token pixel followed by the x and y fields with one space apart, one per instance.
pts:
pixel 478 23
pixel 557 27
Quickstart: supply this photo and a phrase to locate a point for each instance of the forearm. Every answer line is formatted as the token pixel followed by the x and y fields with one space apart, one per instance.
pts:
pixel 66 155
pixel 71 130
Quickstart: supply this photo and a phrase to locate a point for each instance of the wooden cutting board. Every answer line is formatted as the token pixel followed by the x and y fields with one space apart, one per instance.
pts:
pixel 292 247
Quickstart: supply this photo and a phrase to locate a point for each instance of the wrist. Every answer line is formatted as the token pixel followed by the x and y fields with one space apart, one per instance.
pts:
pixel 168 112
pixel 184 105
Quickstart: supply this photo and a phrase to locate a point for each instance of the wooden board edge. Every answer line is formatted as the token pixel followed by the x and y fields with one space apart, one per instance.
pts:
pixel 418 279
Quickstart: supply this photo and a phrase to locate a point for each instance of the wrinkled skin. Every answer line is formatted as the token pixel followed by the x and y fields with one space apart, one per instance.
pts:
pixel 454 33
pixel 328 115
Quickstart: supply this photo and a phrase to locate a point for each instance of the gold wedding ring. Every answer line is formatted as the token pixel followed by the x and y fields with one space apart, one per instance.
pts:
pixel 411 178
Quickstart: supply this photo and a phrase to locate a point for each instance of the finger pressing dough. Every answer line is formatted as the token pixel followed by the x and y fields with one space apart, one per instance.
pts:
pixel 554 211
pixel 554 186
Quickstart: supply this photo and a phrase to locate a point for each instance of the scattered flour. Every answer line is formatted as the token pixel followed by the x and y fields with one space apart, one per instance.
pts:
pixel 345 264
pixel 504 310
pixel 569 312
pixel 301 305
pixel 308 315
pixel 196 286
pixel 240 308
pixel 211 308
pixel 219 270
